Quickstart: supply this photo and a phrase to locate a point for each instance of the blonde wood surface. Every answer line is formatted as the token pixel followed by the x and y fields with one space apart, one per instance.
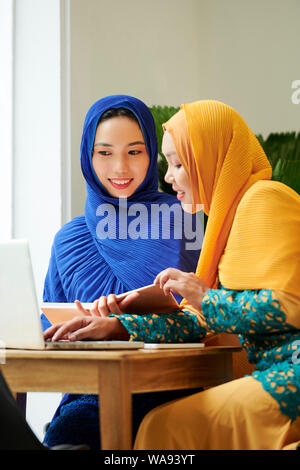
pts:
pixel 118 354
pixel 115 375
pixel 115 405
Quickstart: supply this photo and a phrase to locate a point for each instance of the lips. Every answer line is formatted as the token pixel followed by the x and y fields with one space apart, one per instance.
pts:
pixel 180 194
pixel 120 183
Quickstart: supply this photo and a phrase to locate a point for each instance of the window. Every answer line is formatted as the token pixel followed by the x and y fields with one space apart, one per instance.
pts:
pixel 6 105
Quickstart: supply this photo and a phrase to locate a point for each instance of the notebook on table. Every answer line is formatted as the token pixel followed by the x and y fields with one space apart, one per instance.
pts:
pixel 151 299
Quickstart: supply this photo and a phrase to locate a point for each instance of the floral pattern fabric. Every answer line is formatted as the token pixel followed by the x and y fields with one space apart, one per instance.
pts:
pixel 258 320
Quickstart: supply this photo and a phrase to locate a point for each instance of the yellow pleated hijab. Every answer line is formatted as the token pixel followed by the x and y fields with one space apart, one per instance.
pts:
pixel 223 159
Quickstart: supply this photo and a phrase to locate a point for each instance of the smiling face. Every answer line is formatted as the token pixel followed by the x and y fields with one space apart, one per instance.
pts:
pixel 120 157
pixel 176 174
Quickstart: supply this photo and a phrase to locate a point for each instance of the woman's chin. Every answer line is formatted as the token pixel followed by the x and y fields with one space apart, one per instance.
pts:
pixel 121 194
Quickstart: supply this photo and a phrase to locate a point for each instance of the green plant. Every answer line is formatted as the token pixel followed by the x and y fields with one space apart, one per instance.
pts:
pixel 282 150
pixel 162 114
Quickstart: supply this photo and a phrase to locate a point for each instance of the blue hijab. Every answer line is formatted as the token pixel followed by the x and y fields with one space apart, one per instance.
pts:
pixel 85 263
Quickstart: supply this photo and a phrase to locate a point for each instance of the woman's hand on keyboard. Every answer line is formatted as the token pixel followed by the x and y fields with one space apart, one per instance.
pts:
pixel 87 327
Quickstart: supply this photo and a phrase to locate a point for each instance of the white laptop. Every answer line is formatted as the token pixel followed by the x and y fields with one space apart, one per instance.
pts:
pixel 20 324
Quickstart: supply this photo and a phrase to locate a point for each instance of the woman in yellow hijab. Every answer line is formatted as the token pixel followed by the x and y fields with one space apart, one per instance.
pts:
pixel 246 283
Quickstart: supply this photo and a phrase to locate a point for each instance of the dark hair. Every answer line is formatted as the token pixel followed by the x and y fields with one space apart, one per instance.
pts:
pixel 116 112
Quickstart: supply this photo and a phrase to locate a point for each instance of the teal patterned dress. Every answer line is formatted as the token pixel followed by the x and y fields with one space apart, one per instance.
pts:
pixel 272 344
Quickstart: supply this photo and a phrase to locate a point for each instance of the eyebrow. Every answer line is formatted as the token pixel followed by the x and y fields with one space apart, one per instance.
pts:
pixel 138 142
pixel 104 144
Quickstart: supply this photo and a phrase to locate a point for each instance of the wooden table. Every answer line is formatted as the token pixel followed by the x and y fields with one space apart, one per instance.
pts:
pixel 115 375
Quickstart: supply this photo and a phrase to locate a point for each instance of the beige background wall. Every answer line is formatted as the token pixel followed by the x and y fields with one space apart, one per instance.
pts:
pixel 168 52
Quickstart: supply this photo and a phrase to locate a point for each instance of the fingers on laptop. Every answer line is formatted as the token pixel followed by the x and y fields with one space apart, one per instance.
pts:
pixel 79 328
pixel 66 329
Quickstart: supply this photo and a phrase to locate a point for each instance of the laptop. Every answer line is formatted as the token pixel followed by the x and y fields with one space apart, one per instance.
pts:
pixel 20 324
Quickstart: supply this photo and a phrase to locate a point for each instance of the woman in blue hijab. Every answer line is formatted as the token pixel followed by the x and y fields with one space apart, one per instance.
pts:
pixel 94 255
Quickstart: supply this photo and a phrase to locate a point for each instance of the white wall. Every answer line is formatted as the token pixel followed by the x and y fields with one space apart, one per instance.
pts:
pixel 168 52
pixel 37 195
pixel 152 50
pixel 6 61
pixel 256 47
pixel 37 128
